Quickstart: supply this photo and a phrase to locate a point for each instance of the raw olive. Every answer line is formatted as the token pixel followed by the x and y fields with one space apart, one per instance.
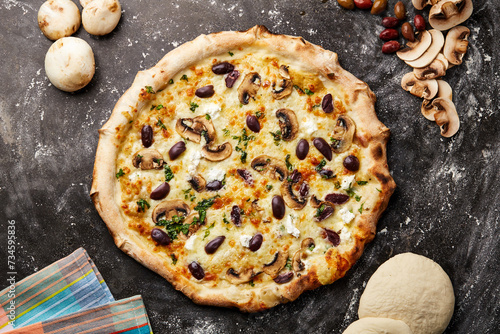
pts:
pixel 255 242
pixel 278 205
pixel 284 278
pixel 363 4
pixel 206 91
pixel 391 47
pixel 253 123
pixel 302 149
pixel 332 236
pixel 389 34
pixel 177 150
pixel 400 10
pixel 326 173
pixel 407 32
pixel 160 192
pixel 161 237
pixel 236 215
pixel 196 270
pixel 351 163
pixel 213 245
pixel 419 22
pixel 390 22
pixel 327 103
pixel 378 6
pixel 223 68
pixel 337 198
pixel 214 185
pixel 323 147
pixel 347 4
pixel 147 135
pixel 231 78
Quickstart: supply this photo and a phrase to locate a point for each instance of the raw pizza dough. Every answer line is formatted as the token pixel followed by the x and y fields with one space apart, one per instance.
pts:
pixel 378 326
pixel 411 288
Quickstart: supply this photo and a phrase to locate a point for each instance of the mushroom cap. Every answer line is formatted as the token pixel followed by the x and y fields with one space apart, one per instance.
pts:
pixel 444 90
pixel 291 199
pixel 243 276
pixel 101 17
pixel 148 158
pixel 446 116
pixel 170 208
pixel 273 166
pixel 456 44
pixel 84 3
pixel 286 85
pixel 426 89
pixel 414 50
pixel 201 123
pixel 431 53
pixel 288 123
pixel 198 183
pixel 187 131
pixel 436 69
pixel 249 87
pixel 343 134
pixel 274 267
pixel 447 14
pixel 421 4
pixel 58 18
pixel 69 64
pixel 217 153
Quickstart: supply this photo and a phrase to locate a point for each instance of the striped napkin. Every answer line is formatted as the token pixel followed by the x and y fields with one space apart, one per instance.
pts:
pixel 69 296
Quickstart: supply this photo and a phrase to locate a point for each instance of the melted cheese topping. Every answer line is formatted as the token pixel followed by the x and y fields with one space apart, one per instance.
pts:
pixel 228 115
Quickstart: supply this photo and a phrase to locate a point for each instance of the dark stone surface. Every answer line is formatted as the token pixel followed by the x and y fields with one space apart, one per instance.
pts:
pixel 446 206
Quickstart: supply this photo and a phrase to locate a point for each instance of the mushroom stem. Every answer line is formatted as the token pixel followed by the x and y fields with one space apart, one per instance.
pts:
pixel 462 46
pixel 449 9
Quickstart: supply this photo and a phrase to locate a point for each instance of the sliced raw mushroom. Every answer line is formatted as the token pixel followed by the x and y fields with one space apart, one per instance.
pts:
pixel 217 153
pixel 148 158
pixel 447 14
pixel 197 182
pixel 414 50
pixel 434 70
pixel 249 87
pixel 169 209
pixel 293 201
pixel 301 254
pixel 272 166
pixel 425 89
pixel 446 116
pixel 274 267
pixel 431 53
pixel 288 124
pixel 421 4
pixel 444 90
pixel 204 127
pixel 456 44
pixel 243 276
pixel 343 133
pixel 286 86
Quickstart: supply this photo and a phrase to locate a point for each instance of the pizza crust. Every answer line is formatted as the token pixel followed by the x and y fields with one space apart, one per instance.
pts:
pixel 371 133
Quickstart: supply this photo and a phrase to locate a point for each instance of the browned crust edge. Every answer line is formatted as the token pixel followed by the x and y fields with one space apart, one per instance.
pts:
pixel 371 132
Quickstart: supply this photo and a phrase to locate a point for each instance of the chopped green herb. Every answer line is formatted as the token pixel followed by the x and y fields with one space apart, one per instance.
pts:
pixel 335 142
pixel 207 116
pixel 357 198
pixel 320 210
pixel 142 203
pixel 150 90
pixel 350 192
pixel 311 248
pixel 289 166
pixel 245 139
pixel 316 106
pixel 269 187
pixel 360 210
pixel 184 77
pixel 308 92
pixel 224 219
pixel 259 114
pixel 174 259
pixel 161 125
pixel 298 88
pixel 171 81
pixel 288 264
pixel 378 190
pixel 169 175
pixel 361 183
pixel 193 106
pixel 337 185
pixel 244 154
pixel 120 173
pixel 138 156
pixel 158 107
pixel 276 136
pixel 252 284
pixel 174 226
pixel 202 208
pixel 226 132
pixel 321 165
pixel 230 53
pixel 207 231
pixel 129 122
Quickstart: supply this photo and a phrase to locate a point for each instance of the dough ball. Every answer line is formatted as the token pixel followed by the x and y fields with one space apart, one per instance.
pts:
pixel 84 3
pixel 378 326
pixel 100 17
pixel 58 18
pixel 411 288
pixel 70 64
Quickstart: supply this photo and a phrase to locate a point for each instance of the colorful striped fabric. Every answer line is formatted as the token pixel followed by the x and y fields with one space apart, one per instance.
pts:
pixel 61 292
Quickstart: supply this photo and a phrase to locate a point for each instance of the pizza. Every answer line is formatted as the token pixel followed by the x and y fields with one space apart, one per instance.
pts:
pixel 245 168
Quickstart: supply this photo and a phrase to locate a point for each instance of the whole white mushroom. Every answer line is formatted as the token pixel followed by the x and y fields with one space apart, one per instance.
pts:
pixel 100 17
pixel 58 18
pixel 70 64
pixel 85 2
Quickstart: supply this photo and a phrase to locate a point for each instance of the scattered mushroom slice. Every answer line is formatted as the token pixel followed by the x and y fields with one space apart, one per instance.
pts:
pixel 249 87
pixel 58 18
pixel 297 263
pixel 447 14
pixel 288 124
pixel 446 116
pixel 421 4
pixel 434 70
pixel 205 127
pixel 148 158
pixel 217 153
pixel 197 182
pixel 456 44
pixel 343 133
pixel 425 89
pixel 243 276
pixel 315 202
pixel 278 263
pixel 431 53
pixel 184 128
pixel 274 167
pixel 286 85
pixel 170 208
pixel 291 199
pixel 444 90
pixel 414 50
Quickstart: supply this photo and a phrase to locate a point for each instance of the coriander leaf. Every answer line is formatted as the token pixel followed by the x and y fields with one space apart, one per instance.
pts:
pixel 202 208
pixel 174 226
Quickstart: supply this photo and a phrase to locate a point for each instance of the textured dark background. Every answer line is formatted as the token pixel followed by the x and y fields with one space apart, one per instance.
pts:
pixel 446 206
